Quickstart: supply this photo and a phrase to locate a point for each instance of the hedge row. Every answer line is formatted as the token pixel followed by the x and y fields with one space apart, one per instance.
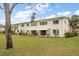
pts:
pixel 70 34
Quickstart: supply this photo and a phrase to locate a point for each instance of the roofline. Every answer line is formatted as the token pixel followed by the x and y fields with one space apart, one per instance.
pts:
pixel 42 20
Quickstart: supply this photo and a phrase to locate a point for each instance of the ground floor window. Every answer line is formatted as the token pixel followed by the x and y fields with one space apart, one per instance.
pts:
pixel 43 32
pixel 34 32
pixel 55 31
pixel 77 27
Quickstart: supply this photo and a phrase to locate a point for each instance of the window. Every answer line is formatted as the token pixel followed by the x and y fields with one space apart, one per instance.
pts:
pixel 55 21
pixel 34 32
pixel 27 24
pixel 3 27
pixel 16 26
pixel 55 31
pixel 22 25
pixel 43 32
pixel 65 21
pixel 77 27
pixel 43 23
pixel 33 24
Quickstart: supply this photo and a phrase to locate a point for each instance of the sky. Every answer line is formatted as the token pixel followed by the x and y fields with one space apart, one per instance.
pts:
pixel 23 12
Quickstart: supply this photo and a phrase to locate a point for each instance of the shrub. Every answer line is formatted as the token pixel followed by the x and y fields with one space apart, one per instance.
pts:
pixel 2 32
pixel 70 34
pixel 22 33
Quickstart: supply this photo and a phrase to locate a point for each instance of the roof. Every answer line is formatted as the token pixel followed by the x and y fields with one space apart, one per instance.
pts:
pixel 57 18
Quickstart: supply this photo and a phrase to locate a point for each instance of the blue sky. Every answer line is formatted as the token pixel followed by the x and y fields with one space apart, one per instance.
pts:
pixel 22 12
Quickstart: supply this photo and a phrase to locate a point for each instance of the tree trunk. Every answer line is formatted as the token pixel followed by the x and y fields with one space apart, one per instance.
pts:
pixel 8 26
pixel 73 28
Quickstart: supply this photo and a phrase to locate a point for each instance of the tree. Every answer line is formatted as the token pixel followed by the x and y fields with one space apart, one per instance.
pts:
pixel 33 13
pixel 8 12
pixel 73 22
pixel 33 16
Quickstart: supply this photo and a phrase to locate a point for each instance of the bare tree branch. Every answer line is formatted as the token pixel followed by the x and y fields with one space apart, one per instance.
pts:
pixel 1 7
pixel 13 7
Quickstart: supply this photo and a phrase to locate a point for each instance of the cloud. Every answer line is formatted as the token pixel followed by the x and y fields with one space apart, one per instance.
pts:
pixel 56 6
pixel 14 20
pixel 66 13
pixel 27 13
pixel 41 7
pixel 51 16
pixel 27 7
pixel 2 21
pixel 76 12
pixel 23 14
pixel 59 13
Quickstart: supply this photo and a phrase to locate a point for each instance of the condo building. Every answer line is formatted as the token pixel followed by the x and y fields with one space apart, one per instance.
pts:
pixel 53 27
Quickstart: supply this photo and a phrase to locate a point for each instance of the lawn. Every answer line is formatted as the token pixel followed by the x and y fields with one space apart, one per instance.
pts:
pixel 40 46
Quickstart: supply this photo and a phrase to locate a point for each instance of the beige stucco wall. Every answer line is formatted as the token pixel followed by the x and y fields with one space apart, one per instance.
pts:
pixel 62 26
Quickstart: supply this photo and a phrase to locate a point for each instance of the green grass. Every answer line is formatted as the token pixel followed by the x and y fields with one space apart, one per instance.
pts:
pixel 39 46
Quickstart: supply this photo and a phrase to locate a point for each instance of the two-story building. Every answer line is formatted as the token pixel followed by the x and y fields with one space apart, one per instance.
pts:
pixel 54 27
